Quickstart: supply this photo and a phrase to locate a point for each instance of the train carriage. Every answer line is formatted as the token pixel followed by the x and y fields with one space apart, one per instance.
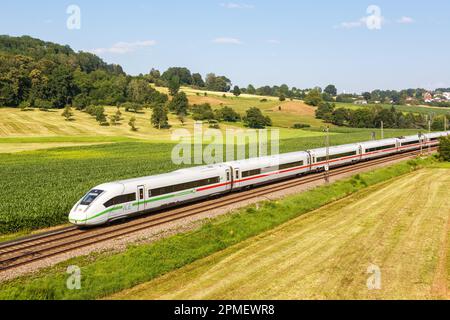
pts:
pixel 412 143
pixel 337 156
pixel 379 148
pixel 270 168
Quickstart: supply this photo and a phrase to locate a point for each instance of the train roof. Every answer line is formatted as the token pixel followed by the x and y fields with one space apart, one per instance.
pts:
pixel 349 146
pixel 267 159
pixel 181 172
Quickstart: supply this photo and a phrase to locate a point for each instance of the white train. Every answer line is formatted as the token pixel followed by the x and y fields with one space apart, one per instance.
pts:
pixel 116 200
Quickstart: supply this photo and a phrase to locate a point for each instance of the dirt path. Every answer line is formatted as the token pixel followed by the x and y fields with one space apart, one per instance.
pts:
pixel 399 227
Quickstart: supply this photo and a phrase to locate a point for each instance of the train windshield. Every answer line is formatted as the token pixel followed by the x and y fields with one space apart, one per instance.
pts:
pixel 90 197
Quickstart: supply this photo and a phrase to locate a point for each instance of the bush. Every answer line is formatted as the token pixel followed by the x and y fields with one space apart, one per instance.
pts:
pixel 227 114
pixel 202 112
pixel 132 107
pixel 313 98
pixel 444 149
pixel 300 126
pixel 214 124
pixel 256 120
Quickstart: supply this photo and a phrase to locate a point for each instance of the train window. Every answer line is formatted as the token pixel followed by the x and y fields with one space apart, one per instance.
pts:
pixel 120 199
pixel 183 186
pixel 251 173
pixel 90 197
pixel 337 156
pixel 291 165
pixel 237 174
pixel 228 176
pixel 141 193
pixel 381 148
pixel 410 143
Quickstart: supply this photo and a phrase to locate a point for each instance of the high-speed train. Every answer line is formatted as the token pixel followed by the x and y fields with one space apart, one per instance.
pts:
pixel 116 200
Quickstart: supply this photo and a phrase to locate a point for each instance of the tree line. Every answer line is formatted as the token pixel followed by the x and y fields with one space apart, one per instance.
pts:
pixel 373 117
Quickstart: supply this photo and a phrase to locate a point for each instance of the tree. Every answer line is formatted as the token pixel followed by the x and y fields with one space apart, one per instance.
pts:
pixel 43 105
pixel 313 98
pixel 61 86
pixel 325 111
pixel 251 89
pixel 174 85
pixel 282 97
pixel 331 90
pixel 116 118
pixel 236 91
pixel 99 113
pixel 202 112
pixel 67 113
pixel 197 80
pixel 367 96
pixel 255 119
pixel 444 149
pixel 139 91
pixel 182 74
pixel 132 124
pixel 179 104
pixel 80 101
pixel 132 107
pixel 227 114
pixel 154 75
pixel 339 116
pixel 217 83
pixel 159 117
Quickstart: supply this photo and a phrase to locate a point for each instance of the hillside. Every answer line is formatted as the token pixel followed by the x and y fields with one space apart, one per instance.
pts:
pixel 34 73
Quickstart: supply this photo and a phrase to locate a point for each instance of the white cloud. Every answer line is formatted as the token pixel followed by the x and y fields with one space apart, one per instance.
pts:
pixel 273 41
pixel 405 20
pixel 362 22
pixel 125 47
pixel 352 24
pixel 232 5
pixel 227 41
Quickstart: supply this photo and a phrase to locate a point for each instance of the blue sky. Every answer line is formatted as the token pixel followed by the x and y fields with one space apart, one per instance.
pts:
pixel 300 43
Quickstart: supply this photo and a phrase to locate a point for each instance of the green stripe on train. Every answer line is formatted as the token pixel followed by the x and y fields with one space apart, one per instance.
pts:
pixel 184 193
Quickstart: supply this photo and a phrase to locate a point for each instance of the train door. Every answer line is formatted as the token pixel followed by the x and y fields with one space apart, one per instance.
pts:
pixel 310 160
pixel 229 178
pixel 236 178
pixel 141 198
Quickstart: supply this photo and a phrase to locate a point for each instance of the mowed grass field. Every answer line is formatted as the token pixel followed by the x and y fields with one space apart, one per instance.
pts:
pixel 402 227
pixel 34 130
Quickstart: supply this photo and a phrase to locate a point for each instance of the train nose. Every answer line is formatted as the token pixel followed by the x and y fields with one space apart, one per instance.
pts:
pixel 78 216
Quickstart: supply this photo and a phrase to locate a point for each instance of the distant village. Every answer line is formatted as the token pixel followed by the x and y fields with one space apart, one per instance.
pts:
pixel 432 98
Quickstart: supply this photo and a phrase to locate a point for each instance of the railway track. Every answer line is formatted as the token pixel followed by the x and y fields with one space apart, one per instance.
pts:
pixel 24 251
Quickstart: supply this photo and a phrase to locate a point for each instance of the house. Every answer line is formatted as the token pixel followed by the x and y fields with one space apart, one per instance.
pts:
pixel 446 95
pixel 427 97
pixel 360 102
